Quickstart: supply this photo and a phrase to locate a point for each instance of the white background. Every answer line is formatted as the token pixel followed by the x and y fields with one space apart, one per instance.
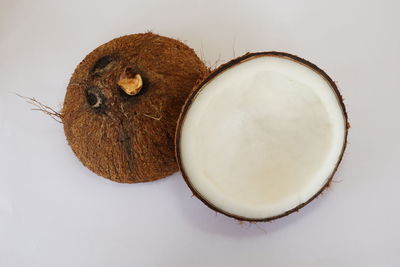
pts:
pixel 55 212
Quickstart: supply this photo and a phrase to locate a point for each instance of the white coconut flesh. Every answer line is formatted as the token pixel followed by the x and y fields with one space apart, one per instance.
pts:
pixel 262 137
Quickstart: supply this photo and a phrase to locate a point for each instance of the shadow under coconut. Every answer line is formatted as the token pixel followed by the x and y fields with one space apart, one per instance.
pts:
pixel 210 221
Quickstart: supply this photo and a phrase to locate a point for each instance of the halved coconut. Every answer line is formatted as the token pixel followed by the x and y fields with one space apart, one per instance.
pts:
pixel 261 136
pixel 122 104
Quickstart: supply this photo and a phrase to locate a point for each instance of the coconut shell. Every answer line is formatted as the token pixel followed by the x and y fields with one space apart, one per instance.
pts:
pixel 197 89
pixel 122 137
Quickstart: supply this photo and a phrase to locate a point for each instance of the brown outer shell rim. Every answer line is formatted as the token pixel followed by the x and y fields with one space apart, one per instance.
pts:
pixel 218 71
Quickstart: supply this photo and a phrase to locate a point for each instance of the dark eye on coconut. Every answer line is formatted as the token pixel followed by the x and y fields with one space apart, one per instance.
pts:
pixel 102 64
pixel 95 98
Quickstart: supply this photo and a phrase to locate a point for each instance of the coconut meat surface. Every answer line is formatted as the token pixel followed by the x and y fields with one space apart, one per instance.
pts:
pixel 262 137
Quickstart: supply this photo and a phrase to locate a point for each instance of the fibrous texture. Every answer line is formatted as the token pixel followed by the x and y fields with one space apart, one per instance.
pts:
pixel 122 104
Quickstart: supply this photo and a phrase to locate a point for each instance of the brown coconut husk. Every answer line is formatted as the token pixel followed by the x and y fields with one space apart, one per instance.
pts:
pixel 215 73
pixel 129 138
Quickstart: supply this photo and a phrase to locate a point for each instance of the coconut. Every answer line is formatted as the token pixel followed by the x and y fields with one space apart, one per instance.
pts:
pixel 261 136
pixel 122 104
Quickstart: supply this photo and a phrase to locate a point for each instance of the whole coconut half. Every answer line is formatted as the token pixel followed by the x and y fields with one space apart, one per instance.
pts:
pixel 122 104
pixel 262 136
